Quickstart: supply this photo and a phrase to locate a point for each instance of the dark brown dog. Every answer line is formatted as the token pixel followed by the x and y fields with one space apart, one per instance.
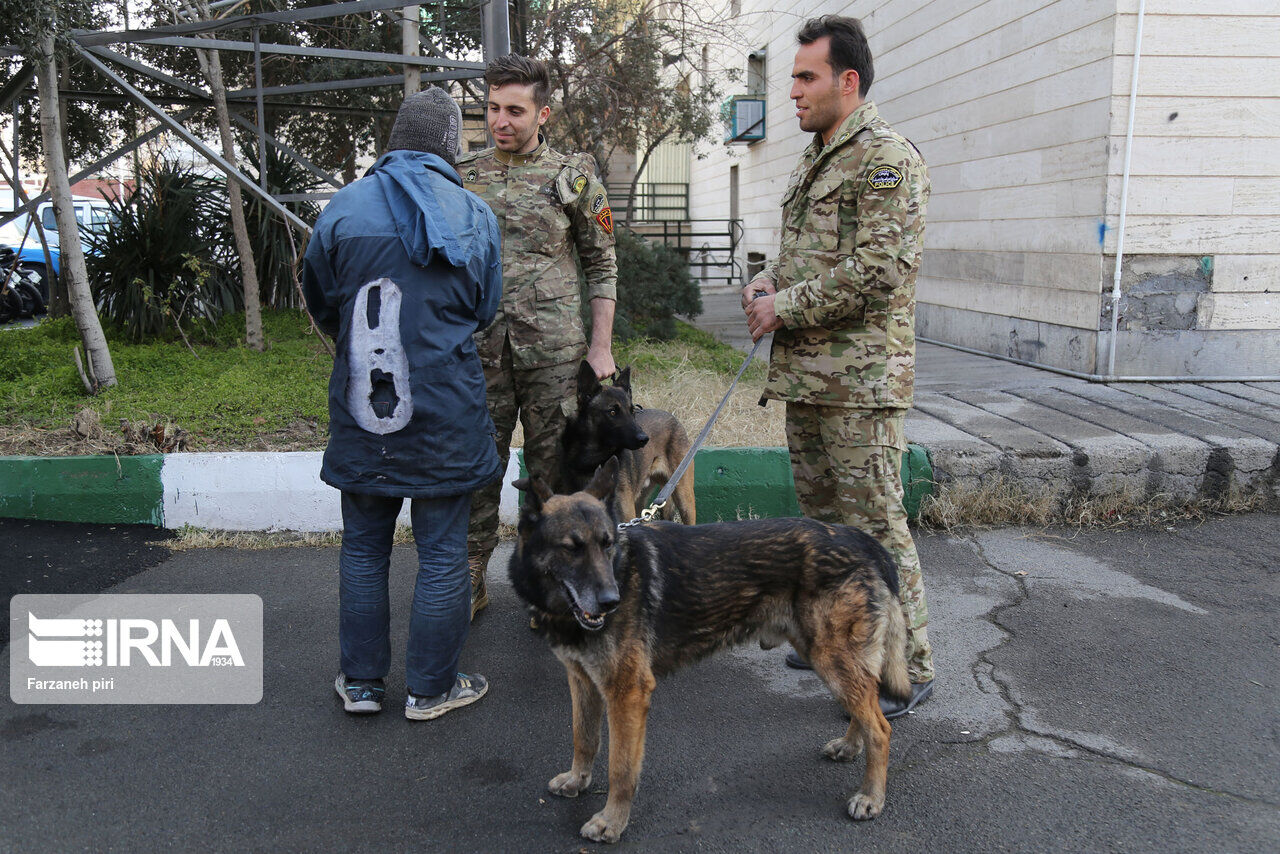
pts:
pixel 649 445
pixel 621 607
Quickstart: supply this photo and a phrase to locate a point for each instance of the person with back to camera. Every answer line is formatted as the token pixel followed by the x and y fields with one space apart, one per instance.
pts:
pixel 403 268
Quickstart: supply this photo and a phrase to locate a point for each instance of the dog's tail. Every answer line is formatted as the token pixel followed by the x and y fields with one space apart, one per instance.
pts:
pixel 893 671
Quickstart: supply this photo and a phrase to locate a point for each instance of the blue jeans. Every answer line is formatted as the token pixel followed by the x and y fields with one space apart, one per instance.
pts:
pixel 441 615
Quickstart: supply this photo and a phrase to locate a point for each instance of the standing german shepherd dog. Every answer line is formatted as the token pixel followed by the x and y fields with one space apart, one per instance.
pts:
pixel 622 607
pixel 649 445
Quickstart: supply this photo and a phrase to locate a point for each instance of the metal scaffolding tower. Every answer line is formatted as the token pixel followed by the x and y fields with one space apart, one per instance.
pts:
pixel 95 48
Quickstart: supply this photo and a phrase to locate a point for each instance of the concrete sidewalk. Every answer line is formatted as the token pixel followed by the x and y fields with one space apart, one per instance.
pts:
pixel 982 417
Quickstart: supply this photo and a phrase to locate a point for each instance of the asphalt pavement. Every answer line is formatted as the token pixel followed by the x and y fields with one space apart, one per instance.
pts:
pixel 1098 691
pixel 68 557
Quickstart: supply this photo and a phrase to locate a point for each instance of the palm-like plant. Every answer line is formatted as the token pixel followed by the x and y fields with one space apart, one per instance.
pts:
pixel 165 265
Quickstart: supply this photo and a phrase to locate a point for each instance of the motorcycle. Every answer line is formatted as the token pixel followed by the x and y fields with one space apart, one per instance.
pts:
pixel 20 289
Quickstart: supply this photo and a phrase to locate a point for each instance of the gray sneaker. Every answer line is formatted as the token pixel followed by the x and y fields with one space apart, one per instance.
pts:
pixel 465 691
pixel 360 696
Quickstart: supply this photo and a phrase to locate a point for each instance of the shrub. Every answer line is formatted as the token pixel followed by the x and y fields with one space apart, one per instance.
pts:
pixel 654 286
pixel 165 266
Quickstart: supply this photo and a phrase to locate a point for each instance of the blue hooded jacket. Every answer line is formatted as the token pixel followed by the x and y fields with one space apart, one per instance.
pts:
pixel 403 267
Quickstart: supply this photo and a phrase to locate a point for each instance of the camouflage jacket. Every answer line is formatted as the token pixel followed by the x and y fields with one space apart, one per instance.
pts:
pixel 852 232
pixel 548 205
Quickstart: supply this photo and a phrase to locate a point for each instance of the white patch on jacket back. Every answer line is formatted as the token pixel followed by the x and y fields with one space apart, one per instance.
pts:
pixel 379 350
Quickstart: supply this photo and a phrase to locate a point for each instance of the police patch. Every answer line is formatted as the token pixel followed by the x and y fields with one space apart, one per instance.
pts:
pixel 580 184
pixel 884 178
pixel 597 203
pixel 605 218
pixel 472 174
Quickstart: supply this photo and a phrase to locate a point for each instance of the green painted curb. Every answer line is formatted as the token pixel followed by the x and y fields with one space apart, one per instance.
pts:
pixel 121 490
pixel 730 483
pixel 917 478
pixel 740 483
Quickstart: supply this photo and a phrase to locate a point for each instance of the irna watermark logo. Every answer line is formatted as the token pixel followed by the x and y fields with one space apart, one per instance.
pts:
pixel 57 642
pixel 136 648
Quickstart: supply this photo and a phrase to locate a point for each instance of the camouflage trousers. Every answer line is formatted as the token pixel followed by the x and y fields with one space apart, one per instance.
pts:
pixel 847 468
pixel 539 397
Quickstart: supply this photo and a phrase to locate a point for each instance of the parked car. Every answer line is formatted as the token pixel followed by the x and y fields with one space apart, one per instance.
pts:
pixel 92 213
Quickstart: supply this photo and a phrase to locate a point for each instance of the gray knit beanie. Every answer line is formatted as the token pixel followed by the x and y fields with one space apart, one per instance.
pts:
pixel 428 121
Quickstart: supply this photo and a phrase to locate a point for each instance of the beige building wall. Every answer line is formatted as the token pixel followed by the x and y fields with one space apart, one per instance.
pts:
pixel 1205 173
pixel 1020 108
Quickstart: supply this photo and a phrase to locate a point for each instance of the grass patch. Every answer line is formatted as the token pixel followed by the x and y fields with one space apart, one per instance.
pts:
pixel 222 397
pixel 691 349
pixel 226 397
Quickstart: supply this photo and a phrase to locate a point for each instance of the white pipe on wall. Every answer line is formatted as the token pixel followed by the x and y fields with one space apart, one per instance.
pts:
pixel 1124 193
pixel 1109 376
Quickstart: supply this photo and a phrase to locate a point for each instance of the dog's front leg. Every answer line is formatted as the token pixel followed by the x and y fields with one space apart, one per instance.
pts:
pixel 588 707
pixel 627 702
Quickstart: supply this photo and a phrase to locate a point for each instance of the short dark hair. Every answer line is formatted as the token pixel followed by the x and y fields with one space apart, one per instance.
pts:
pixel 523 71
pixel 849 48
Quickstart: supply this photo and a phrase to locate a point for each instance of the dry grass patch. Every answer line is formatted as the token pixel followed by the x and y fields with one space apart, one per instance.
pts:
pixel 692 394
pixel 189 537
pixel 688 378
pixel 1003 502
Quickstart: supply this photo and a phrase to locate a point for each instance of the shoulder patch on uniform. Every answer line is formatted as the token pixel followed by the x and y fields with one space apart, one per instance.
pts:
pixel 597 203
pixel 605 218
pixel 884 178
pixel 580 183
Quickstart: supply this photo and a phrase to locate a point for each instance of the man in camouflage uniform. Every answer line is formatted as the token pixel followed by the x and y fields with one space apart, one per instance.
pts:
pixel 841 297
pixel 551 207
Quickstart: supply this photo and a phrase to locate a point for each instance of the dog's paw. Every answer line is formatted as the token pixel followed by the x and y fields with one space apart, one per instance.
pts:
pixel 864 807
pixel 842 749
pixel 601 829
pixel 569 784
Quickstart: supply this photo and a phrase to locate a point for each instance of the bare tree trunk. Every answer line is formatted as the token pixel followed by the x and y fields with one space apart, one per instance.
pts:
pixel 211 65
pixel 102 372
pixel 410 46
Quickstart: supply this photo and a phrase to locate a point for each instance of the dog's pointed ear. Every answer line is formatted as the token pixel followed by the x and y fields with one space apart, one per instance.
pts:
pixel 624 379
pixel 605 481
pixel 538 492
pixel 588 385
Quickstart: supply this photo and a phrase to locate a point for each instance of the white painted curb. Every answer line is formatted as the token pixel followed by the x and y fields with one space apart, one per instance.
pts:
pixel 267 492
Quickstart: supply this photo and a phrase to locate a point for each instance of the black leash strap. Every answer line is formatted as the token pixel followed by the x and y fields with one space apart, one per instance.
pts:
pixel 649 512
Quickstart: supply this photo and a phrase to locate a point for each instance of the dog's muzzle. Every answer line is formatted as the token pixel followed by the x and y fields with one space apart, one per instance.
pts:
pixel 592 620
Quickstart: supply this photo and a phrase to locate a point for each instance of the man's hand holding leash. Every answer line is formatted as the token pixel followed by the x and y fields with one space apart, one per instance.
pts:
pixel 757 303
